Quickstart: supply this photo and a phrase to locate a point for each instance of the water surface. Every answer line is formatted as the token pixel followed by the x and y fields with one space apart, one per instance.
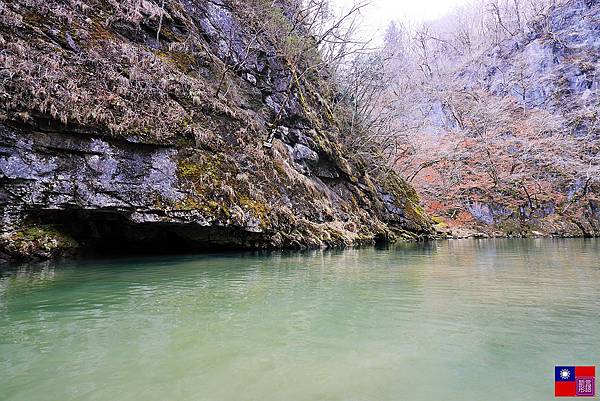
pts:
pixel 457 320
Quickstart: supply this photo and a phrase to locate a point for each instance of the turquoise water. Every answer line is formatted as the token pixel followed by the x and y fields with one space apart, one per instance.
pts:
pixel 457 320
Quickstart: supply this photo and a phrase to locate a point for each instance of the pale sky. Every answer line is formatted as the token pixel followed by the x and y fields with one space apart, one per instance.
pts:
pixel 379 13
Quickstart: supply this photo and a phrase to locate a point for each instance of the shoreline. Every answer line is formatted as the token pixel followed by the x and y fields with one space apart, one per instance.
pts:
pixel 90 257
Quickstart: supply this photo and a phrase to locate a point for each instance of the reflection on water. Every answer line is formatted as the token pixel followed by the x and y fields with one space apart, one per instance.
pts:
pixel 457 320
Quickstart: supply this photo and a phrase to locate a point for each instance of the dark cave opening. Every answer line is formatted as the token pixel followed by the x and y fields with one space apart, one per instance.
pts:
pixel 107 233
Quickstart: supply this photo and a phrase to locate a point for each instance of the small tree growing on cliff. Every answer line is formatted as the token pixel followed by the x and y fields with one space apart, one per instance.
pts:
pixel 308 37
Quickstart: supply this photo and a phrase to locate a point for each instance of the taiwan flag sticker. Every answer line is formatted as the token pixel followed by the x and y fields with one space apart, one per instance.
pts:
pixel 574 381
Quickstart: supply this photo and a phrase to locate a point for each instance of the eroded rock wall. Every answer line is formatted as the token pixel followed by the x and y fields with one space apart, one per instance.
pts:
pixel 116 134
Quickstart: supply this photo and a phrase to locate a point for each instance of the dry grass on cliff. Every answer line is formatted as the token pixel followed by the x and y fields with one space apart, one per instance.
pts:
pixel 74 63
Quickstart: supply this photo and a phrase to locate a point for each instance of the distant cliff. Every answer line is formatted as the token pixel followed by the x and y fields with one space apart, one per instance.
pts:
pixel 141 126
pixel 552 72
pixel 502 115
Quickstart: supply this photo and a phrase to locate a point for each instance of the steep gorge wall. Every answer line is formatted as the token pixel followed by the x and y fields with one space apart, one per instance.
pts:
pixel 127 128
pixel 520 121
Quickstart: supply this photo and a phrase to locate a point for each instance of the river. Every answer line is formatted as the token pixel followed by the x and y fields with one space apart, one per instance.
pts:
pixel 454 320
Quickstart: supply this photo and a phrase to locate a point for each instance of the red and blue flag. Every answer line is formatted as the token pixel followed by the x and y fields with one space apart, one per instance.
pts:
pixel 574 381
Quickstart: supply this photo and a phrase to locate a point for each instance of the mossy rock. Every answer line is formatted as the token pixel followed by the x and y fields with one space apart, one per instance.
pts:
pixel 440 222
pixel 38 242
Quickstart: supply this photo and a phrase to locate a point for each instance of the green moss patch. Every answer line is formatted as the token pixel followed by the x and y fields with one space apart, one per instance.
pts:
pixel 38 241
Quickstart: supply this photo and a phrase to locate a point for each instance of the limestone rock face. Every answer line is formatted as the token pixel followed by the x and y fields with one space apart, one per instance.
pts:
pixel 550 68
pixel 115 135
pixel 553 66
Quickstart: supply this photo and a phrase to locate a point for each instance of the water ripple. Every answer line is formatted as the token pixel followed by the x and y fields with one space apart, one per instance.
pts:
pixel 482 319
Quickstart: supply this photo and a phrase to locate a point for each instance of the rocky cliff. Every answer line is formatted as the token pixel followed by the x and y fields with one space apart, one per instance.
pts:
pixel 551 69
pixel 509 117
pixel 175 126
pixel 554 67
